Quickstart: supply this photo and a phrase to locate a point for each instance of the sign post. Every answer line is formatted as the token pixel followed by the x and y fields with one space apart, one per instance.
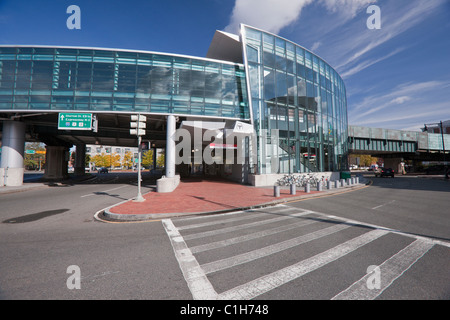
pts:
pixel 138 126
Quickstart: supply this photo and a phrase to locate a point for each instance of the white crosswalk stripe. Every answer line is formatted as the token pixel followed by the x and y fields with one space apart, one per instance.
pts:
pixel 248 237
pixel 269 282
pixel 389 271
pixel 232 229
pixel 263 252
pixel 243 226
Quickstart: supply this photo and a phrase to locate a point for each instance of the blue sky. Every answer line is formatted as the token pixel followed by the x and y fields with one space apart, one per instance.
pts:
pixel 396 77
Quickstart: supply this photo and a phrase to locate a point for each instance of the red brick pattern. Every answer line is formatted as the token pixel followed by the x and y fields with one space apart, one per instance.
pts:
pixel 196 195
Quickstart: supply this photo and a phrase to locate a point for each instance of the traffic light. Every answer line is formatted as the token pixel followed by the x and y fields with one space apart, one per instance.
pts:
pixel 138 125
pixel 145 145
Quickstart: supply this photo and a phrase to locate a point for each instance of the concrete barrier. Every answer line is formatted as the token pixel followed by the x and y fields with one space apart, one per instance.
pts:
pixel 165 185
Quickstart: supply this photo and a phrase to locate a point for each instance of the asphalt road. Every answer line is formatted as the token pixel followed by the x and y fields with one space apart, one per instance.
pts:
pixel 46 230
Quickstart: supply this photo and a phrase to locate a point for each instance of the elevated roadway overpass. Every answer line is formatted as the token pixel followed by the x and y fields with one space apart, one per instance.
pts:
pixel 395 146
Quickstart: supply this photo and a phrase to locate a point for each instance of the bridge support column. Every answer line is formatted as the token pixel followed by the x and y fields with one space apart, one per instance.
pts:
pixel 56 159
pixel 396 164
pixel 80 158
pixel 170 181
pixel 13 145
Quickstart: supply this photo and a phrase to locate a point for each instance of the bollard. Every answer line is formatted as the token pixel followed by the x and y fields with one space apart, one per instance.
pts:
pixel 357 180
pixel 329 185
pixel 349 181
pixel 336 184
pixel 319 186
pixel 293 189
pixel 307 188
pixel 342 182
pixel 276 191
pixel 353 180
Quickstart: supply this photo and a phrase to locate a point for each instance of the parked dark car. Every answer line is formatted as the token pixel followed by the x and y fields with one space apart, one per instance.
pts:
pixel 384 172
pixel 103 170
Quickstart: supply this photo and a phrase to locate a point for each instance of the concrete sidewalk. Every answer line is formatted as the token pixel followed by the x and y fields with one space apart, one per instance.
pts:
pixel 204 196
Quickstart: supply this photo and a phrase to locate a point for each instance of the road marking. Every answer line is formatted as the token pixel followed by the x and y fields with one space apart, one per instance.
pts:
pixel 271 281
pixel 332 194
pixel 389 271
pixel 383 205
pixel 196 279
pixel 395 231
pixel 248 215
pixel 97 192
pixel 243 226
pixel 279 208
pixel 248 237
pixel 269 250
pixel 211 223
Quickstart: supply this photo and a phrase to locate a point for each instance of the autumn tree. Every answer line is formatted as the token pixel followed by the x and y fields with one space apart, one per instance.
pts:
pixel 101 160
pixel 127 160
pixel 147 158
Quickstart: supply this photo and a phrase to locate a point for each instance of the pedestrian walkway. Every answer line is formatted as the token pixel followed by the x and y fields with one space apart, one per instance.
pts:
pixel 200 196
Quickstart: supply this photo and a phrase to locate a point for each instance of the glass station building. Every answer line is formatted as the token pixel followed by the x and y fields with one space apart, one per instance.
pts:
pixel 295 102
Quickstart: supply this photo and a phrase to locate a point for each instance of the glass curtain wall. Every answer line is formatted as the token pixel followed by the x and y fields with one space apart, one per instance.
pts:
pixel 299 106
pixel 78 79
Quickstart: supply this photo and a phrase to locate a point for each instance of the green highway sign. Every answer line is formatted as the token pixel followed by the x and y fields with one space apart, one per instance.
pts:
pixel 75 121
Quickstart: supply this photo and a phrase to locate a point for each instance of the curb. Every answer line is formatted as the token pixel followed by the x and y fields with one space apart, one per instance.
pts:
pixel 41 183
pixel 106 215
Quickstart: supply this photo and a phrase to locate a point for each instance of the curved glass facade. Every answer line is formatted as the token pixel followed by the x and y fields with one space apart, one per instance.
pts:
pixel 100 80
pixel 298 105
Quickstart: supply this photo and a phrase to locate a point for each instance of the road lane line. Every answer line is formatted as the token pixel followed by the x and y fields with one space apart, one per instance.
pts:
pixel 383 204
pixel 271 281
pixel 244 226
pixel 389 271
pixel 395 231
pixel 97 192
pixel 196 279
pixel 269 250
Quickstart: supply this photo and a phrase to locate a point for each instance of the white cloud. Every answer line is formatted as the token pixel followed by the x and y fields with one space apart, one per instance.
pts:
pixel 365 64
pixel 274 15
pixel 401 100
pixel 397 19
pixel 346 8
pixel 316 45
pixel 269 15
pixel 408 105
